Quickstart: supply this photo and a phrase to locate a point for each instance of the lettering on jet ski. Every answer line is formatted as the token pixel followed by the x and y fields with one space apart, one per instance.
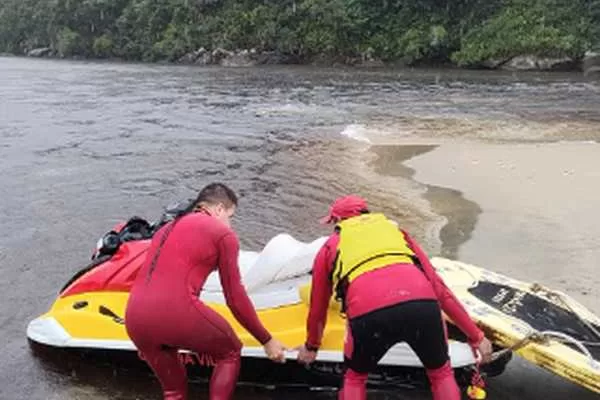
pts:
pixel 538 313
pixel 204 360
pixel 511 306
pixel 515 303
pixel 500 296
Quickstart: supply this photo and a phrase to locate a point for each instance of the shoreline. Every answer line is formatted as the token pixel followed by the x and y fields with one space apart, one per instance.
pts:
pixel 440 217
pixel 317 62
pixel 479 171
pixel 536 205
pixel 459 213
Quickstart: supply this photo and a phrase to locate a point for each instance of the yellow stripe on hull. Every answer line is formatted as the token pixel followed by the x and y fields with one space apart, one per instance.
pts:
pixel 287 323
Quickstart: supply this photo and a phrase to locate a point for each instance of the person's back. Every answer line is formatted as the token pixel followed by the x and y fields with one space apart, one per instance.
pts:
pixel 185 262
pixel 164 312
pixel 186 259
pixel 387 286
pixel 390 293
pixel 400 281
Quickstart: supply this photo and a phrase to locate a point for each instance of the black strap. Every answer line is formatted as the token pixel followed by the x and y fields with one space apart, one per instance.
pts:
pixel 334 265
pixel 360 264
pixel 163 239
pixel 342 284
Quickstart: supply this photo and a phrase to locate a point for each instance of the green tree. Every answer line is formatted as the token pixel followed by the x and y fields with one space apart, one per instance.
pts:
pixel 465 31
pixel 544 27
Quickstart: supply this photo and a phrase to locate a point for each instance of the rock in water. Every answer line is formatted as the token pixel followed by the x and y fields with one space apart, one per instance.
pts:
pixel 204 59
pixel 242 59
pixel 556 64
pixel 40 52
pixel 192 57
pixel 535 63
pixel 494 63
pixel 219 54
pixel 591 63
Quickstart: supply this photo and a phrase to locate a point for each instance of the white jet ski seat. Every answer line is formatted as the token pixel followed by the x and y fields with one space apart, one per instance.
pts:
pixel 272 276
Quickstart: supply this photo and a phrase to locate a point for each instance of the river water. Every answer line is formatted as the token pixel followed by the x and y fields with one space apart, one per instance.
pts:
pixel 496 169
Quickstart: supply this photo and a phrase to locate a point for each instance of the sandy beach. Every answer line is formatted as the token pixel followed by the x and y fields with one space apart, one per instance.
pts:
pixel 538 222
pixel 539 208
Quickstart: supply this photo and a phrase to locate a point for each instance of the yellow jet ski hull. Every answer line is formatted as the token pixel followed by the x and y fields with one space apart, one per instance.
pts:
pixel 94 320
pixel 90 308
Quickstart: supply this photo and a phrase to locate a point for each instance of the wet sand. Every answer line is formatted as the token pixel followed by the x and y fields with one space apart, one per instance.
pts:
pixel 538 222
pixel 539 209
pixel 457 215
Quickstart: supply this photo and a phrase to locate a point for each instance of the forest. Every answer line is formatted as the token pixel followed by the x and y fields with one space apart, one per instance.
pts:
pixel 466 33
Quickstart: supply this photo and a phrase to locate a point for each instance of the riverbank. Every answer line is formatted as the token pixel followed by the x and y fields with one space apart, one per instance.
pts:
pixel 250 58
pixel 495 34
pixel 533 206
pixel 537 206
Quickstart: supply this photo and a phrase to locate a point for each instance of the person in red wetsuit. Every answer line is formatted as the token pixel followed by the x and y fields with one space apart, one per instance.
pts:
pixel 164 312
pixel 390 293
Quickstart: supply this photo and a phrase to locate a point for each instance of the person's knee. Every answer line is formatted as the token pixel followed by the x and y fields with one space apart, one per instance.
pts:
pixel 355 377
pixel 441 373
pixel 443 383
pixel 355 385
pixel 234 354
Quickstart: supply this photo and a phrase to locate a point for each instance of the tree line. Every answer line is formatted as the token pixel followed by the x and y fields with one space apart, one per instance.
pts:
pixel 464 32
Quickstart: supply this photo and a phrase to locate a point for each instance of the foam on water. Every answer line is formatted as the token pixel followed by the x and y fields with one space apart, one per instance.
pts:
pixel 357 132
pixel 472 128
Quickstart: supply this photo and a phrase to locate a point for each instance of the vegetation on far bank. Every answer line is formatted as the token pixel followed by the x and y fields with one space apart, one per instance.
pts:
pixel 465 32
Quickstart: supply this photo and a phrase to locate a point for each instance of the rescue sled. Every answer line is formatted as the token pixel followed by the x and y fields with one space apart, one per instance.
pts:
pixel 544 326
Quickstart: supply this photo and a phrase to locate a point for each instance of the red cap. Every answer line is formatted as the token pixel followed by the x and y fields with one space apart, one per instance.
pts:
pixel 345 207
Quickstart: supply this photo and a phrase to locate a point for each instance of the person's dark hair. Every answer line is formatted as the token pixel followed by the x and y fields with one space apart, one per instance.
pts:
pixel 211 194
pixel 215 193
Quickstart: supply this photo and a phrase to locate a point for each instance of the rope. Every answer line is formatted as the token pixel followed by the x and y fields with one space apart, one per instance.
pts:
pixel 567 338
pixel 543 338
pixel 536 287
pixel 536 337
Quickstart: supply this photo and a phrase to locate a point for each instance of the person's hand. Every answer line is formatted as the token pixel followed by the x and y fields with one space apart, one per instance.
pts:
pixel 275 350
pixel 485 349
pixel 305 356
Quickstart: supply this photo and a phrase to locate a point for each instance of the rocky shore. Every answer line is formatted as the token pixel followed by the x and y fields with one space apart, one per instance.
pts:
pixel 590 65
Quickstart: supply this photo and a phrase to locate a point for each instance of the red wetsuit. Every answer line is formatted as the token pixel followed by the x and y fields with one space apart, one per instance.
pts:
pixel 380 289
pixel 165 314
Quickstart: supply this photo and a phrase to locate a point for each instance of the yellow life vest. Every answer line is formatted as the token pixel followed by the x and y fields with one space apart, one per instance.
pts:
pixel 367 242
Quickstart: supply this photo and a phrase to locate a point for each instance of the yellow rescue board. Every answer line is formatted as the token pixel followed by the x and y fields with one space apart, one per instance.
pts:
pixel 509 311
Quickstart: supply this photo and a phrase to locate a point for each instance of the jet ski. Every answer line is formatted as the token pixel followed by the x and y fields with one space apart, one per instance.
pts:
pixel 88 313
